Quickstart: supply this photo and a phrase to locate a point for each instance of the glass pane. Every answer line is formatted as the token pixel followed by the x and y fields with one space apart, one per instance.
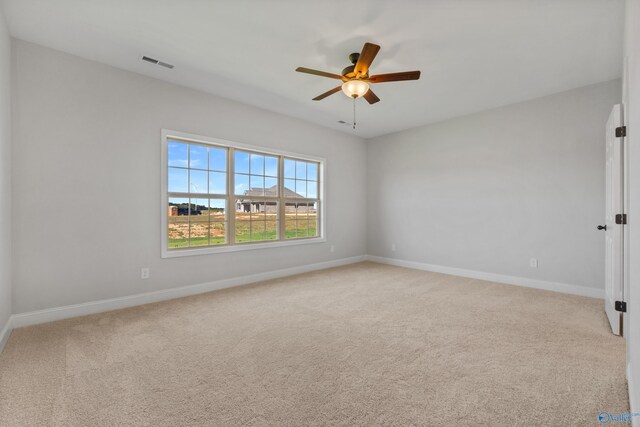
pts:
pixel 271 166
pixel 217 183
pixel 178 154
pixel 217 210
pixel 256 186
pixel 217 159
pixel 178 220
pixel 312 171
pixel 199 209
pixel 241 184
pixel 198 233
pixel 257 164
pixel 199 223
pixel 198 157
pixel 243 220
pixel 271 232
pixel 178 180
pixel 243 231
pixel 243 208
pixel 258 211
pixel 218 233
pixel 301 188
pixel 312 189
pixel 301 210
pixel 242 162
pixel 257 230
pixel 290 225
pixel 290 188
pixel 290 209
pixel 271 187
pixel 289 168
pixel 175 204
pixel 301 170
pixel 303 228
pixel 198 182
pixel 313 219
pixel 271 210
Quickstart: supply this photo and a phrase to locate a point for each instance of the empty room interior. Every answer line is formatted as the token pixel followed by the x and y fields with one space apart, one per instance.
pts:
pixel 229 213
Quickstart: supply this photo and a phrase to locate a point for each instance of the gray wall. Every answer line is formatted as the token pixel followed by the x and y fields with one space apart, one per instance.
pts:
pixel 87 180
pixel 5 175
pixel 489 191
pixel 631 96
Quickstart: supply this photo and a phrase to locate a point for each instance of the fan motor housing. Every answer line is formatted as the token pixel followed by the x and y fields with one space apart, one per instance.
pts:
pixel 348 71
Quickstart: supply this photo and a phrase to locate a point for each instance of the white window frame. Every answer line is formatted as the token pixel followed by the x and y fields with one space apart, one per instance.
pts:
pixel 248 246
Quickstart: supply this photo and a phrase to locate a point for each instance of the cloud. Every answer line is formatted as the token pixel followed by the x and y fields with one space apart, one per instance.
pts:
pixel 179 163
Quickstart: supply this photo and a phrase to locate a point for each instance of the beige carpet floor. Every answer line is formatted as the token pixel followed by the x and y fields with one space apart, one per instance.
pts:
pixel 366 344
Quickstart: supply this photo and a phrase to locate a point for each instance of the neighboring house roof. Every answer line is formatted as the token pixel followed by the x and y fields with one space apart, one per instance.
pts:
pixel 271 192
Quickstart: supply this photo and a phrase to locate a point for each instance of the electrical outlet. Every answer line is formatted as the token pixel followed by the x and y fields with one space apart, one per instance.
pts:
pixel 332 248
pixel 533 263
pixel 144 273
pixel 393 247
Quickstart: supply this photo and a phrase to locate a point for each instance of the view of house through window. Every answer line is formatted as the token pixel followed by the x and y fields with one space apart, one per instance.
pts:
pixel 229 196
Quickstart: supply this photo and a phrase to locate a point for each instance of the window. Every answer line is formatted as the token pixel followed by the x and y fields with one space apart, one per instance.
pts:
pixel 300 182
pixel 220 196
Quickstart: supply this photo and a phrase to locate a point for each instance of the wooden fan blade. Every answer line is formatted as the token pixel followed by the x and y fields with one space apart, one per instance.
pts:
pixel 319 73
pixel 369 52
pixel 327 93
pixel 371 97
pixel 394 77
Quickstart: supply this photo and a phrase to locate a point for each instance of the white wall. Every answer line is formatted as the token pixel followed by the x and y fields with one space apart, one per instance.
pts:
pixel 489 191
pixel 87 180
pixel 631 97
pixel 5 176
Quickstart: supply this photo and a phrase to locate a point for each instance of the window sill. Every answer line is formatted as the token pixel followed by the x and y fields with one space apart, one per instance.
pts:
pixel 176 253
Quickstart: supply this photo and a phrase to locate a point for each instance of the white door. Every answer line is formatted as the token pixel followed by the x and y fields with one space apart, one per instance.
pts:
pixel 612 228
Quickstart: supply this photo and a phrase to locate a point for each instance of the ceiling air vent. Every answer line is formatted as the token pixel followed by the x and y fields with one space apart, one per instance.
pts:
pixel 156 62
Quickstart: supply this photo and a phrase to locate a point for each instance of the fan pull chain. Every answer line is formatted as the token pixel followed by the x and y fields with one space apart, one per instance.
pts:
pixel 354 113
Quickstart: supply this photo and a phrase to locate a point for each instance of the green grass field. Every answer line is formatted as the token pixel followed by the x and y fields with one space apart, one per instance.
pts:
pixel 210 228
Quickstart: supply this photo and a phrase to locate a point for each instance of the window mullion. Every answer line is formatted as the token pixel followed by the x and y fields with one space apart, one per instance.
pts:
pixel 281 202
pixel 189 191
pixel 231 204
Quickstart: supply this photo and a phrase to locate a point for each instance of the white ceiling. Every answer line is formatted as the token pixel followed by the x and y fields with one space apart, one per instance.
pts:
pixel 473 54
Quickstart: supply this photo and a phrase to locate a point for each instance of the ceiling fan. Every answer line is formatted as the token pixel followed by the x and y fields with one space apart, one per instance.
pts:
pixel 356 78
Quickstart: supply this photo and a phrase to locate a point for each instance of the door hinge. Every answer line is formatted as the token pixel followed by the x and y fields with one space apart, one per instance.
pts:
pixel 621 306
pixel 621 131
pixel 621 218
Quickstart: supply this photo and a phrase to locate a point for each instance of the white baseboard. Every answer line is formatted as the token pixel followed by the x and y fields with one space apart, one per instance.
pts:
pixel 5 332
pixel 93 307
pixel 633 402
pixel 492 277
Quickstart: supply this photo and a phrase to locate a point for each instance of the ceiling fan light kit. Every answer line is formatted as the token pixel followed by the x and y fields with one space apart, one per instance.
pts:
pixel 355 88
